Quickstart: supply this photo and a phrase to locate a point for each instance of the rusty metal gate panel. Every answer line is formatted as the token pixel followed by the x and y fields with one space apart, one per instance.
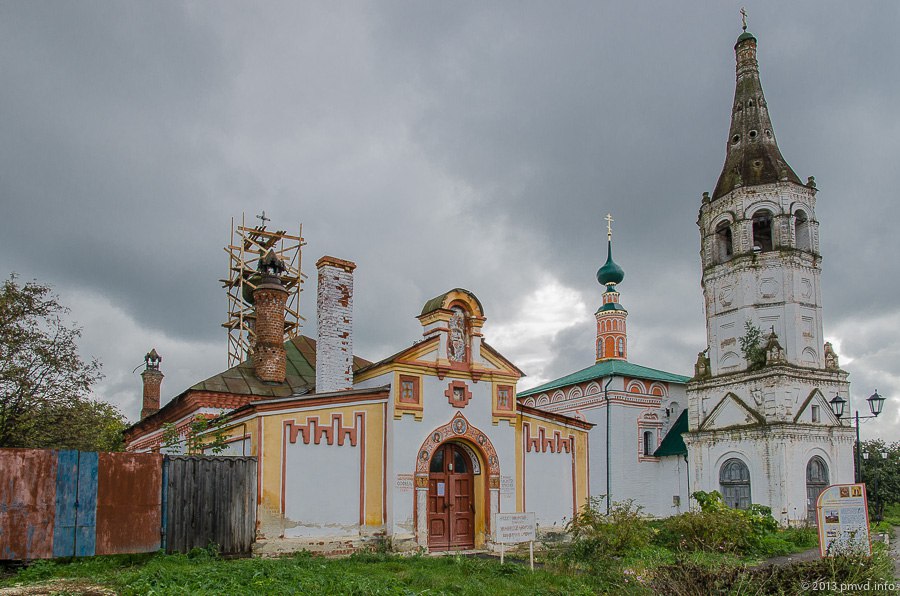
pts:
pixel 129 499
pixel 27 503
pixel 209 499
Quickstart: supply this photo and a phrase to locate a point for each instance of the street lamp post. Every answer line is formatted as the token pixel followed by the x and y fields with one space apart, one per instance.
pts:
pixel 876 402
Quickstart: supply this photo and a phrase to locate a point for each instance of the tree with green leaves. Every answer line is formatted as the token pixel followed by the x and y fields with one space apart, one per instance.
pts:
pixel 201 436
pixel 752 346
pixel 44 383
pixel 881 473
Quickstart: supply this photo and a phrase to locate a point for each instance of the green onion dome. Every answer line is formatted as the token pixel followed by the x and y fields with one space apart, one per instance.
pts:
pixel 610 274
pixel 745 36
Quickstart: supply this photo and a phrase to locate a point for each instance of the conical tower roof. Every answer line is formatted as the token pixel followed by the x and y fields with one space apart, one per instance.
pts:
pixel 752 156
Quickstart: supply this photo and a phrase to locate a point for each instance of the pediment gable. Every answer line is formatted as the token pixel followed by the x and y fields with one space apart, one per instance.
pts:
pixel 729 413
pixel 816 410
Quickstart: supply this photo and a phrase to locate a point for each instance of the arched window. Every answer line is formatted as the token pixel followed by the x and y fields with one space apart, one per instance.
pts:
pixel 816 481
pixel 674 409
pixel 762 231
pixel 734 480
pixel 648 443
pixel 724 247
pixel 801 231
pixel 621 348
pixel 599 348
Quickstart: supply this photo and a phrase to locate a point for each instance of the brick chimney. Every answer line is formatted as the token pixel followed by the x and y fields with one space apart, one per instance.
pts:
pixel 334 345
pixel 152 380
pixel 270 298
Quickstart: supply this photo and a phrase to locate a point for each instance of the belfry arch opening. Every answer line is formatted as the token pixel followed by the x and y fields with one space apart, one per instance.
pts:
pixel 724 247
pixel 801 231
pixel 762 231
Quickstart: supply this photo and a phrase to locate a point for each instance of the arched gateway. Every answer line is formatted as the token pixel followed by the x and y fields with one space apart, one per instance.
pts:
pixel 457 486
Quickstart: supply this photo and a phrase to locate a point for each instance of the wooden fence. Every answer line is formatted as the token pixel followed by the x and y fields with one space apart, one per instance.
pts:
pixel 209 499
pixel 71 503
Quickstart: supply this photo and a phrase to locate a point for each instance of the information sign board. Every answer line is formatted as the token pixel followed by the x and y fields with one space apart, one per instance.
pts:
pixel 513 528
pixel 842 515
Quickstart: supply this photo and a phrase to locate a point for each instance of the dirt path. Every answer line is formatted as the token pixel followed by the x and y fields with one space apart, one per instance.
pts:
pixel 80 587
pixel 895 550
pixel 807 555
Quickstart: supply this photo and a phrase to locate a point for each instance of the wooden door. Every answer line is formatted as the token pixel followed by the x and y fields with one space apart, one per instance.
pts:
pixel 451 503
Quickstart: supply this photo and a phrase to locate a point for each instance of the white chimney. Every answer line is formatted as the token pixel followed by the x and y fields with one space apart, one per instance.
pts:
pixel 334 343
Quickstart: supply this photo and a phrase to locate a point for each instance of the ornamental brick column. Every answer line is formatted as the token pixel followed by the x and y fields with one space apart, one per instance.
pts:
pixel 152 379
pixel 270 298
pixel 334 343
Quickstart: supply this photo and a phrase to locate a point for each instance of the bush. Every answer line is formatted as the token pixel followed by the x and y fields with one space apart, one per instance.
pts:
pixel 802 537
pixel 708 531
pixel 600 541
pixel 719 528
pixel 689 579
pixel 622 530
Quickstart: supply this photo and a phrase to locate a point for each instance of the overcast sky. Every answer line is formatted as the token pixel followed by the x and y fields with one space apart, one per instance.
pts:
pixel 437 145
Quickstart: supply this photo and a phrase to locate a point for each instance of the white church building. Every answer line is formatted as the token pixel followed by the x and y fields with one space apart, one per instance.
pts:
pixel 758 431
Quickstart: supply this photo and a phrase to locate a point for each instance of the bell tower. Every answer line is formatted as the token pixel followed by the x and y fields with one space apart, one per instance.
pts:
pixel 759 238
pixel 612 338
pixel 759 414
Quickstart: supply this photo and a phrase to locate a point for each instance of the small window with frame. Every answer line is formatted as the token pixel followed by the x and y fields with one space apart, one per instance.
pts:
pixel 505 398
pixel 409 389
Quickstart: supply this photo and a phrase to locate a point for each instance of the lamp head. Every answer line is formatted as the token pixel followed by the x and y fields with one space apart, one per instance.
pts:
pixel 876 402
pixel 838 404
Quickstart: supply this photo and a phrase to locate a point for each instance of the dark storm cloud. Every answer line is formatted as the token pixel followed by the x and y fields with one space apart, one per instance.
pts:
pixel 437 145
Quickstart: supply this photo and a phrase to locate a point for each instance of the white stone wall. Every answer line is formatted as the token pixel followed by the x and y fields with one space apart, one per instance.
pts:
pixel 778 288
pixel 322 490
pixel 649 482
pixel 776 457
pixel 548 488
pixel 765 419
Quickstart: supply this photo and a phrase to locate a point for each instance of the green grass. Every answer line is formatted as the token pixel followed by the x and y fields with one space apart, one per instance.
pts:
pixel 892 514
pixel 376 574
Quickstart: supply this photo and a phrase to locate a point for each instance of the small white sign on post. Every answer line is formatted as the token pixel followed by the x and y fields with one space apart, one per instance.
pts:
pixel 514 528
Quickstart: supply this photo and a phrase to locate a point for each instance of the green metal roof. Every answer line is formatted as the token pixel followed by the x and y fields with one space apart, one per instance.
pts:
pixel 611 306
pixel 608 368
pixel 672 443
pixel 300 373
pixel 438 301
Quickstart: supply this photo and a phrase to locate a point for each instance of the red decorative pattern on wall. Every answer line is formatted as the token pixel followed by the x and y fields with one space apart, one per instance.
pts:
pixel 314 432
pixel 458 394
pixel 542 443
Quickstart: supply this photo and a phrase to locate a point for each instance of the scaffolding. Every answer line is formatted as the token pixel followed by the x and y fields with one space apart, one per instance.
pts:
pixel 246 247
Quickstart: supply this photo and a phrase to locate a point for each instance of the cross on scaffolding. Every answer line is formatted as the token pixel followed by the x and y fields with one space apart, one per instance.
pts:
pixel 609 221
pixel 263 218
pixel 744 18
